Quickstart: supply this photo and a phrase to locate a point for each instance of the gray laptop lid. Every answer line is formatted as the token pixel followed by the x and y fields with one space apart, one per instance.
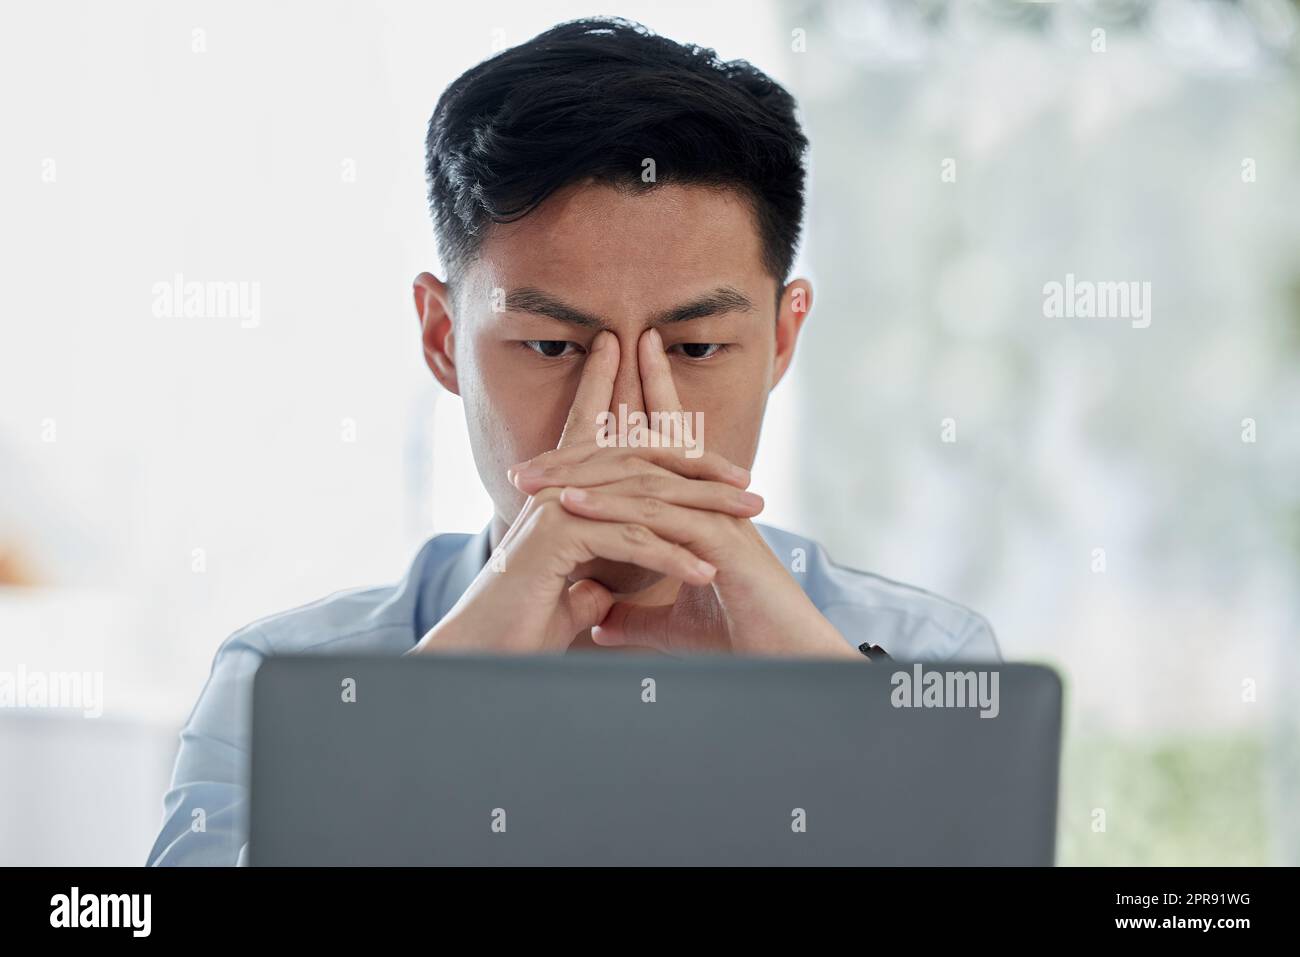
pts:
pixel 602 759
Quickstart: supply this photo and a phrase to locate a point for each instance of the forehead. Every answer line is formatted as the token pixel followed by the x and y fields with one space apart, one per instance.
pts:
pixel 623 251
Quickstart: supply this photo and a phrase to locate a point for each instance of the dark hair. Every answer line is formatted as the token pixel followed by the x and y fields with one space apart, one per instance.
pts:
pixel 594 98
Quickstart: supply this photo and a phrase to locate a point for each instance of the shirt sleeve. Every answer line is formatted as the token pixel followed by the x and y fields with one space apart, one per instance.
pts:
pixel 205 811
pixel 978 643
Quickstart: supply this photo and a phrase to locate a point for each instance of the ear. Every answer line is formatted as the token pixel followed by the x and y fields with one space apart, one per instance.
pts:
pixel 433 311
pixel 796 303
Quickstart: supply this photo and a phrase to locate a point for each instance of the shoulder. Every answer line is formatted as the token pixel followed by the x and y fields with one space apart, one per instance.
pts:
pixel 910 623
pixel 364 620
pixel 374 620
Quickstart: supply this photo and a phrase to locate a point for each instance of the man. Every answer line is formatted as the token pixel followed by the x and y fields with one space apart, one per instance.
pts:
pixel 617 215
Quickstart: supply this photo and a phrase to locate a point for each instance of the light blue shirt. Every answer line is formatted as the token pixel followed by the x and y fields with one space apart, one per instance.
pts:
pixel 205 812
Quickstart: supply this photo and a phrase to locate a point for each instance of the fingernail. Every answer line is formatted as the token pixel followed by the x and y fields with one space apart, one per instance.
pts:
pixel 750 500
pixel 705 569
pixel 575 494
pixel 741 474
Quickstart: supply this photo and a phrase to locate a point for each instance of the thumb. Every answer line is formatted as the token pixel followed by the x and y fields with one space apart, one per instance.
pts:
pixel 646 626
pixel 587 602
pixel 595 392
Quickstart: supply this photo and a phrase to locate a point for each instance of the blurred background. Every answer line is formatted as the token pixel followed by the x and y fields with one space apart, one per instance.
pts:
pixel 1121 502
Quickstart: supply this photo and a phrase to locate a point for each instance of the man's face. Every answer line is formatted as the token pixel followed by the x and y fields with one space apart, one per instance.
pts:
pixel 685 260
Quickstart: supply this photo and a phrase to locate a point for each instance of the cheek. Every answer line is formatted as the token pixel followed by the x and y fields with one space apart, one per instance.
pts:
pixel 732 406
pixel 509 417
pixel 518 416
pixel 736 427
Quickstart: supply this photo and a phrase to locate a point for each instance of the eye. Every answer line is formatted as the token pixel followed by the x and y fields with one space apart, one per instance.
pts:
pixel 549 348
pixel 698 351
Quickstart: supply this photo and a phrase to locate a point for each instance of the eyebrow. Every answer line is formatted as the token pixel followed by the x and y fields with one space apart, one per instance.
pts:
pixel 718 302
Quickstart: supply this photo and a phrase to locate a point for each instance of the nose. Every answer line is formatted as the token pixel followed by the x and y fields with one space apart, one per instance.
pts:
pixel 627 382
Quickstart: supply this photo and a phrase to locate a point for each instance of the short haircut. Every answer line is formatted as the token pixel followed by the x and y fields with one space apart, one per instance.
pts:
pixel 595 98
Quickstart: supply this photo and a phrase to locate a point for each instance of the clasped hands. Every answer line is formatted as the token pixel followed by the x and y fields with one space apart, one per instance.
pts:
pixel 686 517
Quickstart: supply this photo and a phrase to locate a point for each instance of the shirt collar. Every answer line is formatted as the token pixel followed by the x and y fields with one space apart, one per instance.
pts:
pixel 444 584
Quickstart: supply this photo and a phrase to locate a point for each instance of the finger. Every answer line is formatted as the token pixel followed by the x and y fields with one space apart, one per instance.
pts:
pixel 595 466
pixel 659 628
pixel 595 390
pixel 697 529
pixel 657 387
pixel 627 624
pixel 670 489
pixel 587 602
pixel 571 540
pixel 706 465
pixel 564 454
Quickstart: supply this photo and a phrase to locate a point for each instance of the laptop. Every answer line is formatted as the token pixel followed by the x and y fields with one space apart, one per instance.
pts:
pixel 623 760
